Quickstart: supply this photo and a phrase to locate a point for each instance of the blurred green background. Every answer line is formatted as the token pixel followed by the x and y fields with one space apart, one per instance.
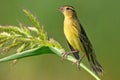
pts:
pixel 101 20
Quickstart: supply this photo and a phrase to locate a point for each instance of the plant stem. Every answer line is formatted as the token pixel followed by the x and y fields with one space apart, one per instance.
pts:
pixel 70 58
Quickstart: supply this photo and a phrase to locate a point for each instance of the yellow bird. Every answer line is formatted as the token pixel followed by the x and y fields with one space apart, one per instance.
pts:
pixel 78 40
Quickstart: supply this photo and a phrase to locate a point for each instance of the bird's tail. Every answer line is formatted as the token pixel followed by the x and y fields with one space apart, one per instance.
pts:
pixel 95 65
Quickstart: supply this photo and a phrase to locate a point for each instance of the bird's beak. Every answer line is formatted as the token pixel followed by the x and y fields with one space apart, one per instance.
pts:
pixel 61 9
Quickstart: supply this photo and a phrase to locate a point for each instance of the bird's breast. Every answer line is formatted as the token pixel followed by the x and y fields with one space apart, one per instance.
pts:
pixel 72 32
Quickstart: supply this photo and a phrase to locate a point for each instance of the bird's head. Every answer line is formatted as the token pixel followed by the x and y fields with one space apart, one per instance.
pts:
pixel 68 11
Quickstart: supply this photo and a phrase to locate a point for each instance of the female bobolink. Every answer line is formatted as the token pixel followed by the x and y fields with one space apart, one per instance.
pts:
pixel 78 40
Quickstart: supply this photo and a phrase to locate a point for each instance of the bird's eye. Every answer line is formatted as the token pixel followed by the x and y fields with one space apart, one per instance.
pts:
pixel 67 8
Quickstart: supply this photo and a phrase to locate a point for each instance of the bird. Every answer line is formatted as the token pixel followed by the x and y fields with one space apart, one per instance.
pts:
pixel 77 39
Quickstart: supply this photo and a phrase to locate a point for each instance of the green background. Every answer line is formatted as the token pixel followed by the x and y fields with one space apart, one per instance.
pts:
pixel 101 20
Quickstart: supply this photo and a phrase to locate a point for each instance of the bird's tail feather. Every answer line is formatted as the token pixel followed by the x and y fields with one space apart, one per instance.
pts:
pixel 95 65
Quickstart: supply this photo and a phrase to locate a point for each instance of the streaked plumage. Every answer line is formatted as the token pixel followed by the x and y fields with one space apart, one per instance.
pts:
pixel 77 39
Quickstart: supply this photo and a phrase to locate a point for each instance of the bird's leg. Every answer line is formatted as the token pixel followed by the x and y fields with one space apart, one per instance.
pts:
pixel 79 61
pixel 65 54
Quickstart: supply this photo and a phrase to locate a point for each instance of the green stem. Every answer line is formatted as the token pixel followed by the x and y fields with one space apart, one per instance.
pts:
pixel 45 50
pixel 70 58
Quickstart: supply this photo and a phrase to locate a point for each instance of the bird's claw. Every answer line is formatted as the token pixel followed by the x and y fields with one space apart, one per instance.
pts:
pixel 64 55
pixel 78 63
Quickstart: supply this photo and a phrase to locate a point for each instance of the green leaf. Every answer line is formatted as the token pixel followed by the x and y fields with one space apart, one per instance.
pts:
pixel 28 53
pixel 45 50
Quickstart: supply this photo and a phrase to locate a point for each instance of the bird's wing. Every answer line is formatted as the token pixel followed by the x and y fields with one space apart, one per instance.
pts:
pixel 86 42
pixel 95 65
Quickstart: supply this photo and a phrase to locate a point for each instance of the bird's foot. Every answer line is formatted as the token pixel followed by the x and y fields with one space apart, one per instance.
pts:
pixel 79 61
pixel 65 54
